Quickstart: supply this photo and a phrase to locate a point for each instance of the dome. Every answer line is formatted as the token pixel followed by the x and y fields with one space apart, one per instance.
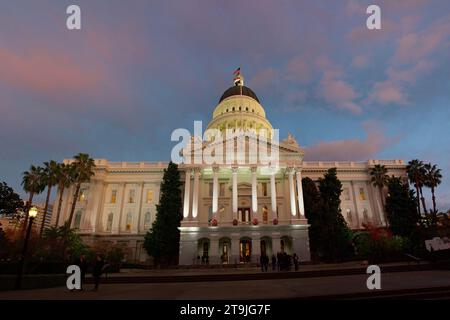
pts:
pixel 239 109
pixel 237 91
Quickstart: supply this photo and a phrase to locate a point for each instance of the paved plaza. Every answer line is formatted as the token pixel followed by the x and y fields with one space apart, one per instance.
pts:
pixel 247 289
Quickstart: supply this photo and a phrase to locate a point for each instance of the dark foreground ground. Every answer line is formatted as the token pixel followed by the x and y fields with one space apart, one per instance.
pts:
pixel 427 284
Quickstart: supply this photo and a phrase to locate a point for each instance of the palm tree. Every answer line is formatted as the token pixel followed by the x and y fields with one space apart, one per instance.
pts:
pixel 49 178
pixel 416 174
pixel 379 178
pixel 32 184
pixel 83 171
pixel 432 180
pixel 65 178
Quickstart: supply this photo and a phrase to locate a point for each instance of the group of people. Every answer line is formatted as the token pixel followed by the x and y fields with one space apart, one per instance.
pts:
pixel 281 262
pixel 98 268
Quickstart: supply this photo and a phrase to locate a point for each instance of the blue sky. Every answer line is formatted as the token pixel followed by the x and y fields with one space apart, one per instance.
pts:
pixel 139 69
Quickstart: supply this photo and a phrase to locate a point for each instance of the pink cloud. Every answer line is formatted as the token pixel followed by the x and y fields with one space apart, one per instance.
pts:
pixel 339 93
pixel 411 74
pixel 360 61
pixel 388 92
pixel 47 72
pixel 416 46
pixel 298 70
pixel 264 78
pixel 352 149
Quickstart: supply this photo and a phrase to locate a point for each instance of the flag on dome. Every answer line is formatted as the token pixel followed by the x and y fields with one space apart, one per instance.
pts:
pixel 237 77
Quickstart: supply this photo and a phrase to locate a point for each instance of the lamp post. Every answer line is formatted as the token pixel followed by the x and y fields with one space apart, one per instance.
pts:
pixel 32 213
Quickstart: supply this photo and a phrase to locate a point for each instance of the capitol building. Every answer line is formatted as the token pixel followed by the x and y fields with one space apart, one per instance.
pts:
pixel 232 212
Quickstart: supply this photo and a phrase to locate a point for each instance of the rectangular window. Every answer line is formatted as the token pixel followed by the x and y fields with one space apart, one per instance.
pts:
pixel 113 196
pixel 222 189
pixel 82 195
pixel 149 196
pixel 131 196
pixel 129 221
pixel 346 194
pixel 264 189
pixel 362 195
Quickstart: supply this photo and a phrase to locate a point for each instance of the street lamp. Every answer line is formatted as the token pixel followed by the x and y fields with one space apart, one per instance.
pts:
pixel 32 213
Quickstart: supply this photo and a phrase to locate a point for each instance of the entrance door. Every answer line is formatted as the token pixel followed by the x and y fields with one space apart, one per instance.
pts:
pixel 225 249
pixel 245 251
pixel 263 248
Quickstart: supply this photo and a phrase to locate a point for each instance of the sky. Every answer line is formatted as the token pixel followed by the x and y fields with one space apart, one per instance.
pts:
pixel 137 70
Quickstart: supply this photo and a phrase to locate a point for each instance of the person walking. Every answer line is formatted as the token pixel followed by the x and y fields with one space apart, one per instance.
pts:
pixel 279 261
pixel 98 270
pixel 261 262
pixel 274 262
pixel 296 261
pixel 266 262
pixel 83 265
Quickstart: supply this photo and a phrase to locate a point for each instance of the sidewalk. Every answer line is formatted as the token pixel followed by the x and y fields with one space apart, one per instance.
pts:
pixel 252 273
pixel 354 285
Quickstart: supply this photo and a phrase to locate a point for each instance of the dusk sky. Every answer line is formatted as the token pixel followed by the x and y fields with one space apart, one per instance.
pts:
pixel 137 70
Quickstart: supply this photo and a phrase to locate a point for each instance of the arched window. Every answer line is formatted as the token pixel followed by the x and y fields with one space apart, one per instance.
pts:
pixel 77 221
pixel 129 221
pixel 147 220
pixel 109 222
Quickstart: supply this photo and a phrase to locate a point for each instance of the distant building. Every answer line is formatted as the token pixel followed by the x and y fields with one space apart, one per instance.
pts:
pixel 38 220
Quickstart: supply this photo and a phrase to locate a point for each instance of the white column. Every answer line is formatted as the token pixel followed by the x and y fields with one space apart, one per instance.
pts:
pixel 256 251
pixel 301 206
pixel 254 192
pixel 136 224
pixel 215 202
pixel 122 203
pixel 187 192
pixel 273 195
pixel 195 194
pixel 292 192
pixel 235 195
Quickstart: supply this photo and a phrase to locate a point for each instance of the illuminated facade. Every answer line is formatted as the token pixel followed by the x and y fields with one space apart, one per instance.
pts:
pixel 232 213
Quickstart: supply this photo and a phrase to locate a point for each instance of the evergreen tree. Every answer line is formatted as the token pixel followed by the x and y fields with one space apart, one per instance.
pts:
pixel 311 200
pixel 335 236
pixel 162 240
pixel 401 208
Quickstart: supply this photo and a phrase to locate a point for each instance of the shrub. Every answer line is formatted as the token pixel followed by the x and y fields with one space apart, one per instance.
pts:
pixel 378 245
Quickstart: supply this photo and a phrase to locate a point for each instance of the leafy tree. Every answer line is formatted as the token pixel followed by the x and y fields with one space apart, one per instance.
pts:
pixel 83 171
pixel 335 236
pixel 401 208
pixel 311 199
pixel 32 183
pixel 162 240
pixel 416 174
pixel 10 201
pixel 379 179
pixel 49 178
